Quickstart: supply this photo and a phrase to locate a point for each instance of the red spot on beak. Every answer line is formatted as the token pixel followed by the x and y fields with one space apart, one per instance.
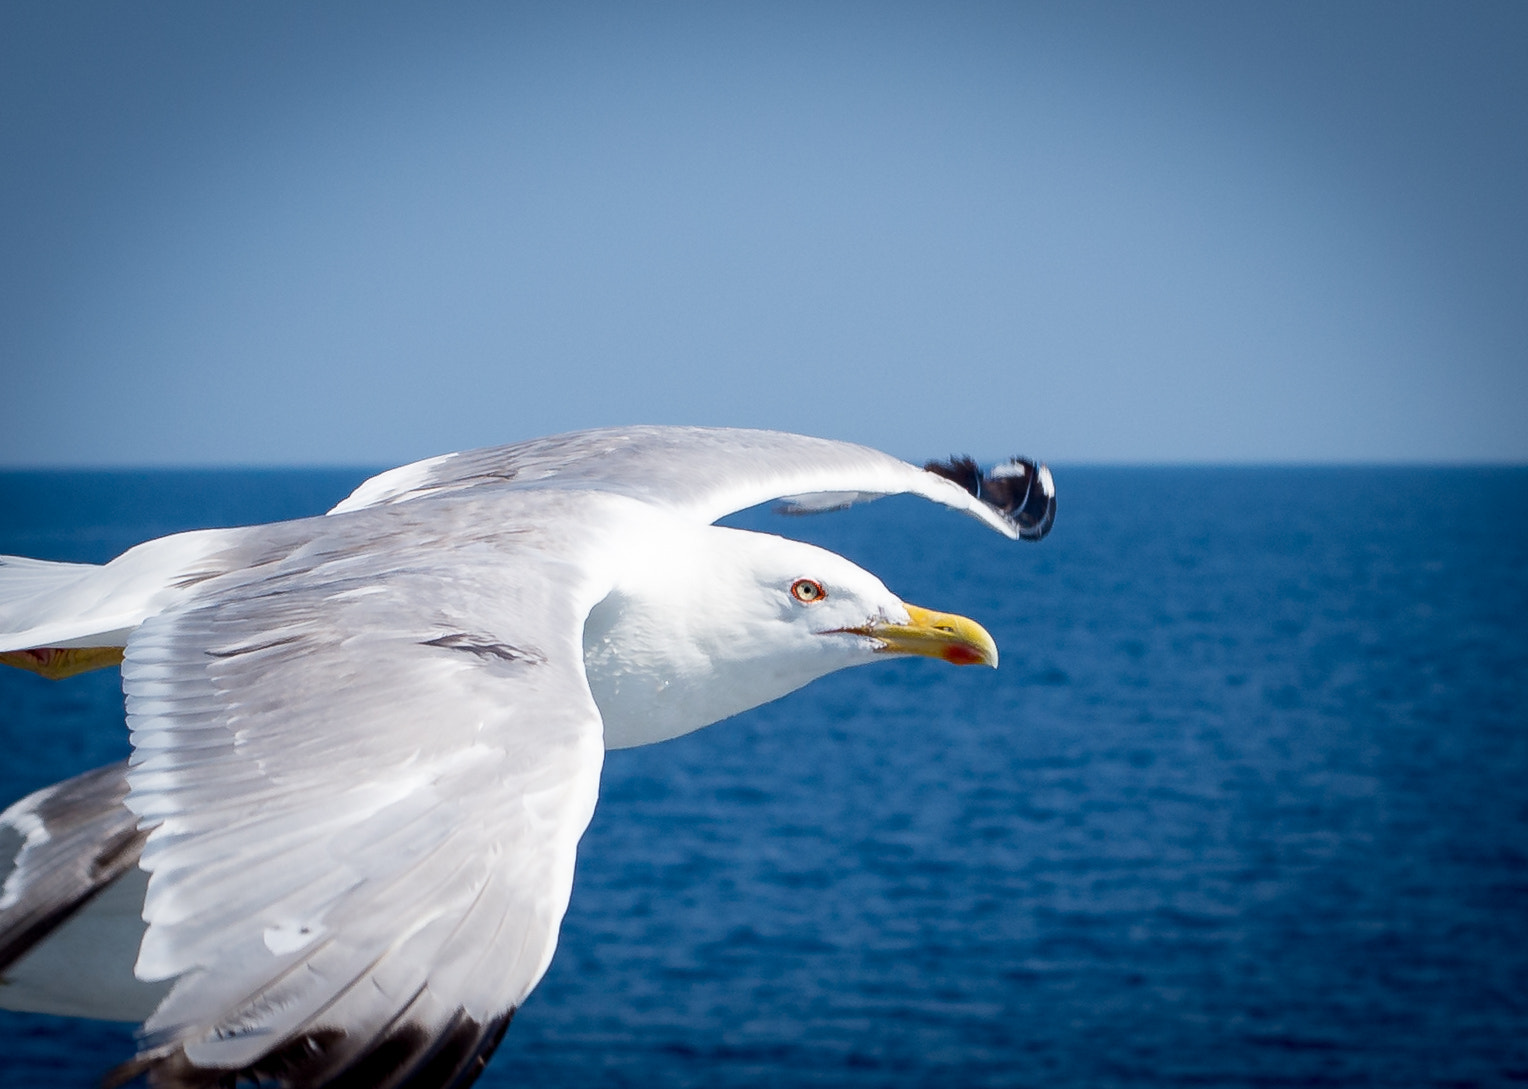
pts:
pixel 960 654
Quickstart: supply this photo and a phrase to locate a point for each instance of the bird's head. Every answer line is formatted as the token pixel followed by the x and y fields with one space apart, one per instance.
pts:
pixel 717 621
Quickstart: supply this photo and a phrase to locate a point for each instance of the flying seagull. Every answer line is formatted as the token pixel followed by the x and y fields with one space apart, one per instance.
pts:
pixel 365 745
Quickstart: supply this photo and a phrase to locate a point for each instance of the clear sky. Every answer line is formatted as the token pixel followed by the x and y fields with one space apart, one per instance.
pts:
pixel 281 233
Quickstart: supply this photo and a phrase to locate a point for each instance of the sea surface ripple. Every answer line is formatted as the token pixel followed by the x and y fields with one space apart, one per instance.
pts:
pixel 1246 804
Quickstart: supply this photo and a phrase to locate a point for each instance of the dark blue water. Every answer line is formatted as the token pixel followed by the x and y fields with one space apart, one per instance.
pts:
pixel 1246 805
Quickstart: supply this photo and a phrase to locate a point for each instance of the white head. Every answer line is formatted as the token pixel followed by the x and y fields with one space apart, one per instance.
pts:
pixel 710 622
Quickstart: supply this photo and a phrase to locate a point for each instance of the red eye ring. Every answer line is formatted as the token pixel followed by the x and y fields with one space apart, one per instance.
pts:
pixel 807 591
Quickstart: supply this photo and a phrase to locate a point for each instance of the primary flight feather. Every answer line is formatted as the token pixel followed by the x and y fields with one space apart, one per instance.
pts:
pixel 365 745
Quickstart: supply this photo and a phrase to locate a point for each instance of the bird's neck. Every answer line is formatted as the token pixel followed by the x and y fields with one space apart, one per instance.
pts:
pixel 666 653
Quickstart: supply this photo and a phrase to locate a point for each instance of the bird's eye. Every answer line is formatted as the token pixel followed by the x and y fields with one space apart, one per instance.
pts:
pixel 807 590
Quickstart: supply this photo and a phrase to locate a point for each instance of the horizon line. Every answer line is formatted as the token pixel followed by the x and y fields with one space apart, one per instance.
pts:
pixel 1068 464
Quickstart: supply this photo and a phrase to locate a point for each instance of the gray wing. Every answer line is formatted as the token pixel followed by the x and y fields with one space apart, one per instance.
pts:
pixel 367 758
pixel 69 925
pixel 59 847
pixel 711 472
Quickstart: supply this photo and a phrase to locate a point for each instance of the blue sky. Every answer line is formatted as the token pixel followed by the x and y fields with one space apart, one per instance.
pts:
pixel 361 234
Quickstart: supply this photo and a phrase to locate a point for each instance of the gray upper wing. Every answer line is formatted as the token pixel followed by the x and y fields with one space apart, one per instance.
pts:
pixel 367 754
pixel 59 847
pixel 707 473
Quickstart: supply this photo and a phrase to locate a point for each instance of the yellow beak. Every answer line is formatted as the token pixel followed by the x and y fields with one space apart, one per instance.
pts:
pixel 951 638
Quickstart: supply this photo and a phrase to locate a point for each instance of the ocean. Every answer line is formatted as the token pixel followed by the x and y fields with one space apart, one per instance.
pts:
pixel 1246 803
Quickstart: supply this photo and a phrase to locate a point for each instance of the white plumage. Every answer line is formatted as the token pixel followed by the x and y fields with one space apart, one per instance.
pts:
pixel 366 745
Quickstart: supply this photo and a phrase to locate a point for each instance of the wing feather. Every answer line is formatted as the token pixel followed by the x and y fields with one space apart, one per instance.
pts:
pixel 367 762
pixel 708 473
pixel 71 840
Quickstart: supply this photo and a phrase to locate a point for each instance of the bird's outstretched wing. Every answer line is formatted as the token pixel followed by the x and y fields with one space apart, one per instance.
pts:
pixel 367 757
pixel 59 847
pixel 707 473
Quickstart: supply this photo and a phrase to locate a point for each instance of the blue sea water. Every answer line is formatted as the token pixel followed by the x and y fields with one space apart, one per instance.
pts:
pixel 1246 804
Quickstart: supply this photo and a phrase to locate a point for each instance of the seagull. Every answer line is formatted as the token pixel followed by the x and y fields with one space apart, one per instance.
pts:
pixel 365 744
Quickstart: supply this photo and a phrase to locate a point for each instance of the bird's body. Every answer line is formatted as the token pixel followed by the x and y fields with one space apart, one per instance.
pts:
pixel 366 744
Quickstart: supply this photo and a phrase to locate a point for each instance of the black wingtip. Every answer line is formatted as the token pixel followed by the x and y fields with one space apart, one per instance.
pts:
pixel 407 1056
pixel 1020 490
